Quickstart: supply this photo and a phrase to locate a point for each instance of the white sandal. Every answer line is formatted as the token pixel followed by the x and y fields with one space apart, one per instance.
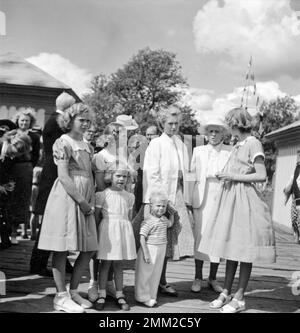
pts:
pixel 236 307
pixel 218 303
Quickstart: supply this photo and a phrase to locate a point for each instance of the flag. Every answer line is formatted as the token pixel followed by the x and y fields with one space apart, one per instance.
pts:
pixel 2 24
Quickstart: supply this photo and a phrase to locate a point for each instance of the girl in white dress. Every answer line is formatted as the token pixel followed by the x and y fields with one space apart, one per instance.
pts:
pixel 116 239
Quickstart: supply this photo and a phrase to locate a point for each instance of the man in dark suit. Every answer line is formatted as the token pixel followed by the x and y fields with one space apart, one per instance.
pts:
pixel 53 130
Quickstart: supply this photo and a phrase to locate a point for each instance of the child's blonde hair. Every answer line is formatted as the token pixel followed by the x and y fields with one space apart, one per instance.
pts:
pixel 72 112
pixel 241 119
pixel 158 193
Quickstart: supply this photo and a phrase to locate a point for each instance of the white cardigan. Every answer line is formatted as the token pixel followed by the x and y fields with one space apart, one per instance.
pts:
pixel 199 166
pixel 161 166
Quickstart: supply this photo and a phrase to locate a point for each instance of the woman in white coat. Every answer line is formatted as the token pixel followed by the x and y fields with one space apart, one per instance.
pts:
pixel 206 162
pixel 166 165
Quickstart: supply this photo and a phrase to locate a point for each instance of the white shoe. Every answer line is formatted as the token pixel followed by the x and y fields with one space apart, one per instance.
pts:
pixel 84 303
pixel 65 303
pixel 214 285
pixel 196 286
pixel 110 289
pixel 222 300
pixel 14 240
pixel 234 306
pixel 150 303
pixel 93 292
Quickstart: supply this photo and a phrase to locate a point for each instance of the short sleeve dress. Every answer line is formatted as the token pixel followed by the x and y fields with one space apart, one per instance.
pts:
pixel 116 239
pixel 240 227
pixel 65 227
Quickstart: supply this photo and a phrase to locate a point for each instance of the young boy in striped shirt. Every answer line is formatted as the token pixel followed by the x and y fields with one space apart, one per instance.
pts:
pixel 151 255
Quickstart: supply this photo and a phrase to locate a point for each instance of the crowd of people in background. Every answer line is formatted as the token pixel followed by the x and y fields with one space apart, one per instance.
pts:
pixel 122 195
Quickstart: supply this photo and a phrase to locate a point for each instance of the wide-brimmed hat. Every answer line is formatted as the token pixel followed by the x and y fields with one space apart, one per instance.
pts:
pixel 213 121
pixel 126 121
pixel 8 123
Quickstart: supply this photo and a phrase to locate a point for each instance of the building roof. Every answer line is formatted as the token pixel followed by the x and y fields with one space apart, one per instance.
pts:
pixel 15 70
pixel 286 132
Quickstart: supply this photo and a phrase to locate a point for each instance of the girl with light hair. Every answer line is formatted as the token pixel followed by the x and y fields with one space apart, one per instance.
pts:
pixel 69 222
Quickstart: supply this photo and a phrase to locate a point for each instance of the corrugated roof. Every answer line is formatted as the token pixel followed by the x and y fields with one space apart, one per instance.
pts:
pixel 284 129
pixel 17 71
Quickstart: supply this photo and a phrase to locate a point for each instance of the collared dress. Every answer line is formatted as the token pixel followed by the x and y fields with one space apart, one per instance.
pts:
pixel 115 234
pixel 65 227
pixel 240 226
pixel 217 156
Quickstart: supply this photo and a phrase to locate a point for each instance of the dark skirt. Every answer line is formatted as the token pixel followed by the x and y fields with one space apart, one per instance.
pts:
pixel 22 173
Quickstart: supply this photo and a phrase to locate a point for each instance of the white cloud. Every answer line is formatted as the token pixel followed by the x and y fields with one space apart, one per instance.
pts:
pixel 206 103
pixel 64 70
pixel 269 30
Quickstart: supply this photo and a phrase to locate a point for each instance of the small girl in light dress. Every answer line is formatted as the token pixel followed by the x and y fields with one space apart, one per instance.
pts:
pixel 151 255
pixel 69 222
pixel 115 235
pixel 240 227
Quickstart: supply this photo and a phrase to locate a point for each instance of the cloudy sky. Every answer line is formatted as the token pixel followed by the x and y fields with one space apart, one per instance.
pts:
pixel 76 39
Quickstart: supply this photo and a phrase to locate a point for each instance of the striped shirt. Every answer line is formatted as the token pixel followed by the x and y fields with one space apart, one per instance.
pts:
pixel 154 229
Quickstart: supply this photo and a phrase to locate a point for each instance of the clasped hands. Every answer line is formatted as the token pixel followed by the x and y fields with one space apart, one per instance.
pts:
pixel 225 176
pixel 86 208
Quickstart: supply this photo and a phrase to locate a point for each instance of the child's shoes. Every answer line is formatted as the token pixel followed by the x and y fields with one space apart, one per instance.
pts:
pixel 196 286
pixel 234 306
pixel 100 304
pixel 84 303
pixel 122 303
pixel 66 304
pixel 220 301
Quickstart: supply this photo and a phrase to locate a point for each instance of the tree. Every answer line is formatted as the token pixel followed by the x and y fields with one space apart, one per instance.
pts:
pixel 140 88
pixel 276 114
pixel 102 101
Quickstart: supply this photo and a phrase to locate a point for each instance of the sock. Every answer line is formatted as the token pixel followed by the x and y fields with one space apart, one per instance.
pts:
pixel 119 294
pixel 62 294
pixel 102 293
pixel 93 283
pixel 73 292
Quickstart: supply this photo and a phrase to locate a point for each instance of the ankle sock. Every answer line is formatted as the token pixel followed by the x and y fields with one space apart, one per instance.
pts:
pixel 62 294
pixel 102 293
pixel 119 294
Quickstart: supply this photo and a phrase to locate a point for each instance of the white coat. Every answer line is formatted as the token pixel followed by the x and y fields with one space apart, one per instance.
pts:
pixel 161 166
pixel 199 165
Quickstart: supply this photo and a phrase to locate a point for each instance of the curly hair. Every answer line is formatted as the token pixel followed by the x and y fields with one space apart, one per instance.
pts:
pixel 169 111
pixel 240 118
pixel 21 142
pixel 77 109
pixel 25 112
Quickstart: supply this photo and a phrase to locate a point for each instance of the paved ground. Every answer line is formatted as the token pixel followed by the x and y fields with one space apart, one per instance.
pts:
pixel 270 288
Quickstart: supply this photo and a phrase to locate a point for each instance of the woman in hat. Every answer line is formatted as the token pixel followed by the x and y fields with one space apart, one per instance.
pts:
pixel 206 162
pixel 22 171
